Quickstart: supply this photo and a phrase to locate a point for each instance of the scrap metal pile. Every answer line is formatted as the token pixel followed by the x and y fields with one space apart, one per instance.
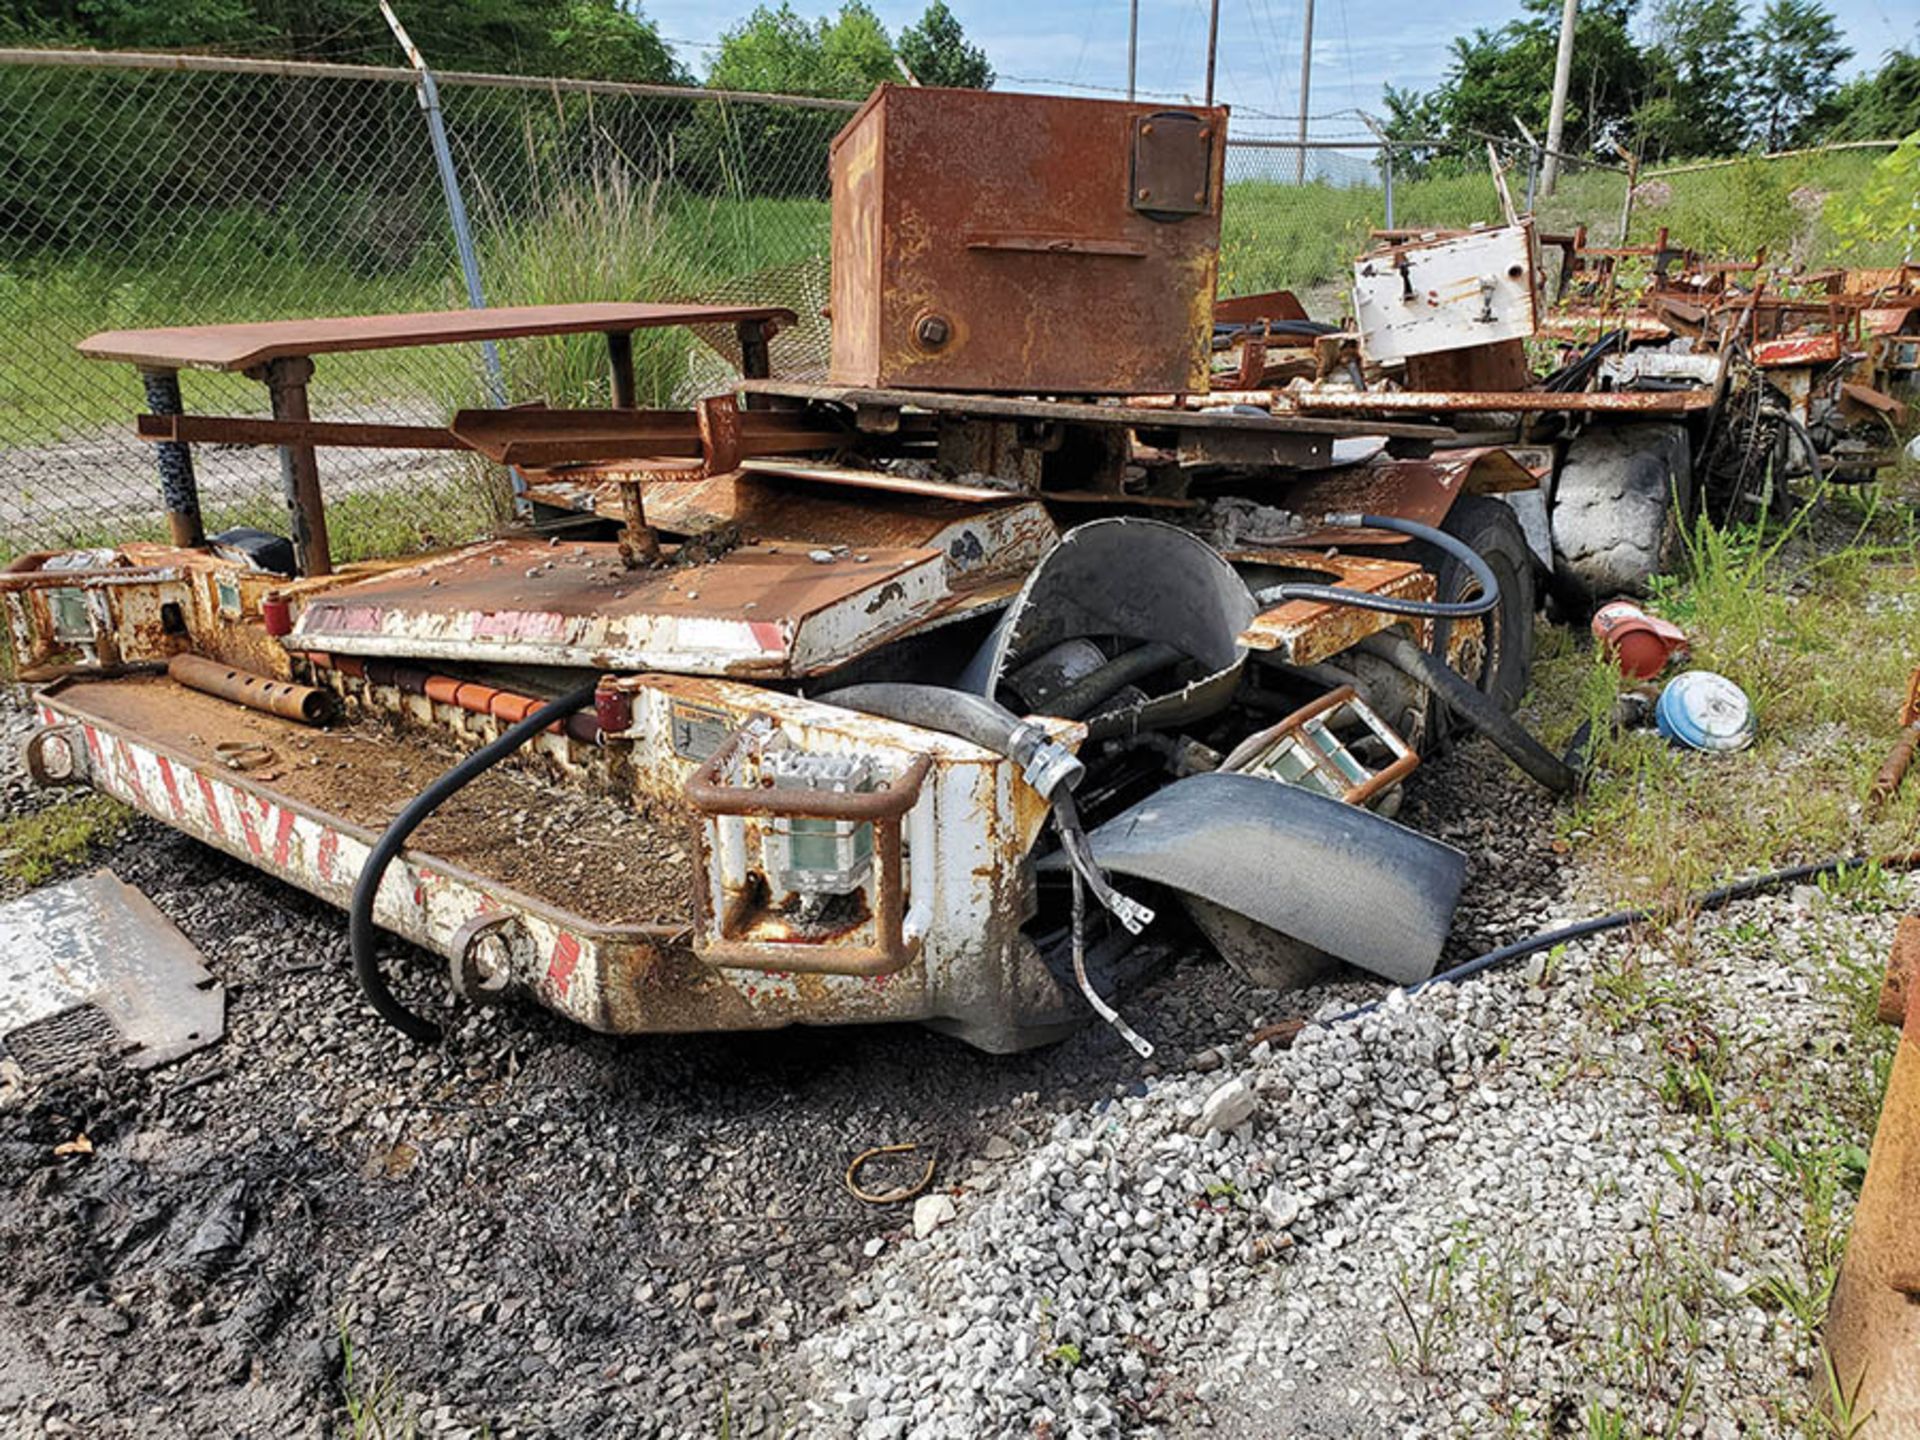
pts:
pixel 1072 610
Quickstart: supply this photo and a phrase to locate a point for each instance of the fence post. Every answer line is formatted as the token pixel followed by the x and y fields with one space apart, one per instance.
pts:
pixel 1386 173
pixel 457 213
pixel 1626 201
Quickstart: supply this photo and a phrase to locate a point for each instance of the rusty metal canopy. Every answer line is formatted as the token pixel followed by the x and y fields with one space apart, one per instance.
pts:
pixel 90 968
pixel 243 346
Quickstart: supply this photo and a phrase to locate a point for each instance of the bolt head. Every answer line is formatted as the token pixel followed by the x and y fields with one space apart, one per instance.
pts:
pixel 933 330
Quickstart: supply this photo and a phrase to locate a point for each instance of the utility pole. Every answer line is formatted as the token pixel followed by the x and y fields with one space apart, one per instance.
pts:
pixel 1133 43
pixel 1213 45
pixel 1306 86
pixel 1557 114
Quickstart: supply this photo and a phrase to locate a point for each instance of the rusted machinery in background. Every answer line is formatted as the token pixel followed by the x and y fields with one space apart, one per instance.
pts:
pixel 1677 385
pixel 1871 1384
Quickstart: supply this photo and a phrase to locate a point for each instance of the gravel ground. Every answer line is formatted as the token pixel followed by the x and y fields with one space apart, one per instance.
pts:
pixel 1477 1210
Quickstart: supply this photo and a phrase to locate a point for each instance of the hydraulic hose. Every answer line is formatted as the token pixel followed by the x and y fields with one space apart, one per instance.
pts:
pixel 1706 900
pixel 1109 679
pixel 360 930
pixel 1815 469
pixel 1048 765
pixel 1488 597
pixel 1474 706
pixel 1050 768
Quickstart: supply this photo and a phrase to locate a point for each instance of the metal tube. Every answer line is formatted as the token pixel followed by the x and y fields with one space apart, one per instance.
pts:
pixel 179 492
pixel 1213 45
pixel 257 692
pixel 1133 44
pixel 1306 86
pixel 1386 161
pixel 429 93
pixel 620 363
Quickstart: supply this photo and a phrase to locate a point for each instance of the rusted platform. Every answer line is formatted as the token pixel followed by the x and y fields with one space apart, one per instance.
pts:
pixel 870 403
pixel 760 610
pixel 614 866
pixel 244 346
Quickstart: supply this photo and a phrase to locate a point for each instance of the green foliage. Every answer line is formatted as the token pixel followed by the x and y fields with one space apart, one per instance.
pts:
pixel 1876 106
pixel 1884 213
pixel 1496 76
pixel 1797 52
pixel 1698 46
pixel 1701 81
pixel 597 39
pixel 778 52
pixel 937 53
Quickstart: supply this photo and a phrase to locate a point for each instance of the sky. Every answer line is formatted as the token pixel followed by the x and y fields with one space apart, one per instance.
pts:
pixel 1080 46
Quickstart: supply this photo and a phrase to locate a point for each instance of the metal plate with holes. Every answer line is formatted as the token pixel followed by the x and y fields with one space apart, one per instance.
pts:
pixel 1172 164
pixel 90 969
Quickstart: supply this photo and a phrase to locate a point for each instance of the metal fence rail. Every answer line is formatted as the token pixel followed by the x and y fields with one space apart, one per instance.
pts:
pixel 141 190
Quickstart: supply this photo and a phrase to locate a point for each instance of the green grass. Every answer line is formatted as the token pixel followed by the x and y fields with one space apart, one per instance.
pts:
pixel 36 847
pixel 1817 629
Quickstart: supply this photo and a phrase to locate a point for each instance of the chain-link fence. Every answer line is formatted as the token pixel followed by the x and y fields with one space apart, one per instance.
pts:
pixel 143 191
pixel 139 192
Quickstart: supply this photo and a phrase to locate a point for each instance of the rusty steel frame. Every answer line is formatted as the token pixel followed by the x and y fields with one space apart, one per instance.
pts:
pixel 280 354
pixel 884 808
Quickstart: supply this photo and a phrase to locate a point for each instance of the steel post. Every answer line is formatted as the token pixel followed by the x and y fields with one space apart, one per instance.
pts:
pixel 178 489
pixel 620 364
pixel 286 380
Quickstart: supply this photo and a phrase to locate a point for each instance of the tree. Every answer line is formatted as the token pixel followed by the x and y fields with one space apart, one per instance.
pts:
pixel 1699 54
pixel 598 39
pixel 937 52
pixel 1797 52
pixel 1877 106
pixel 1496 76
pixel 775 51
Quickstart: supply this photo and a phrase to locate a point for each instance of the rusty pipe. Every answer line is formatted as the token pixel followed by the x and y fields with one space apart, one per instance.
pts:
pixel 257 692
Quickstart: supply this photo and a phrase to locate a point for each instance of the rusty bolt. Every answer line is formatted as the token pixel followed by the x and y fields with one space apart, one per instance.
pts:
pixel 1146 128
pixel 1199 197
pixel 1145 194
pixel 1206 132
pixel 933 330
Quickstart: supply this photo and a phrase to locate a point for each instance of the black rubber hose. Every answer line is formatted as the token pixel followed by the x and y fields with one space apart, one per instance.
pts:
pixel 1104 681
pixel 1488 597
pixel 971 717
pixel 1707 900
pixel 1474 706
pixel 360 928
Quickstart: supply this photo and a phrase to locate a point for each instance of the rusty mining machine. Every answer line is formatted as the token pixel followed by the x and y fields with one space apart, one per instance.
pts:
pixel 946 686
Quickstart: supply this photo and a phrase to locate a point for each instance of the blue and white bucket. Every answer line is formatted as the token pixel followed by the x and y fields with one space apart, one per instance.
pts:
pixel 1704 711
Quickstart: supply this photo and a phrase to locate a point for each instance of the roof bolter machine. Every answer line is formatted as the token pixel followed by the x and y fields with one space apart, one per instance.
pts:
pixel 954 685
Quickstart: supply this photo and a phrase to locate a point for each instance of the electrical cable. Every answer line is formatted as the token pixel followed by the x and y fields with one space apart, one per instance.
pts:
pixel 1706 900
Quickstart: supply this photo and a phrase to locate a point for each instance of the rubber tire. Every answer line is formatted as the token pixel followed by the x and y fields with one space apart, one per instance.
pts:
pixel 1491 529
pixel 1619 511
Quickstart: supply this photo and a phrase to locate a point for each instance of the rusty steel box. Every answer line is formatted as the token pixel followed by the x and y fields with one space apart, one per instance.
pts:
pixel 1025 243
